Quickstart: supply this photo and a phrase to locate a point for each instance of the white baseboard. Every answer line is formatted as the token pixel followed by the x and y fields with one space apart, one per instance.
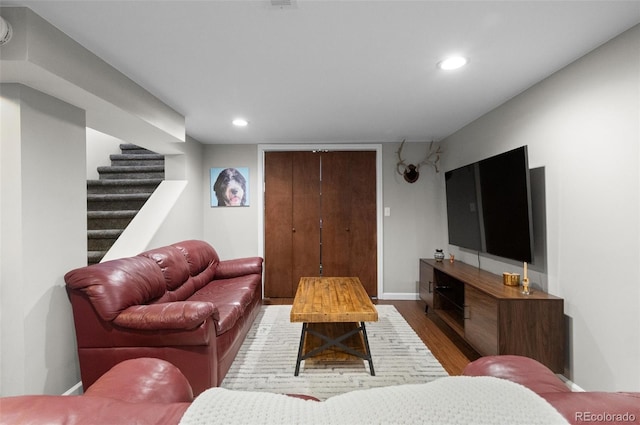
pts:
pixel 399 296
pixel 570 384
pixel 75 390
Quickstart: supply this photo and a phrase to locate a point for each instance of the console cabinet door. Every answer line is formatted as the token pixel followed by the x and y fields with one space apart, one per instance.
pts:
pixel 481 321
pixel 427 284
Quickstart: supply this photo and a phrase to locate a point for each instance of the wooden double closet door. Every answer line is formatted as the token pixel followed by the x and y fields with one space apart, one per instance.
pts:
pixel 320 218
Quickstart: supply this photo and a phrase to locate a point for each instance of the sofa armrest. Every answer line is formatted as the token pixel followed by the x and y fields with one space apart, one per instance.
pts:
pixel 177 315
pixel 143 380
pixel 238 267
pixel 522 370
pixel 80 410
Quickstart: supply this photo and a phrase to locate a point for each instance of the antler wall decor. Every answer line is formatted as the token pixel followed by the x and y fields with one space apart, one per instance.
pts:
pixel 411 172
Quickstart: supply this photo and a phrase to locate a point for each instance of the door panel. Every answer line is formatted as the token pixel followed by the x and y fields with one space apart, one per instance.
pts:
pixel 306 215
pixel 278 224
pixel 336 213
pixel 363 252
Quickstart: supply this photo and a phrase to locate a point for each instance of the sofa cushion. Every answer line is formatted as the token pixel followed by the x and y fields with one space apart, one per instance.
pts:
pixel 115 285
pixel 181 315
pixel 231 297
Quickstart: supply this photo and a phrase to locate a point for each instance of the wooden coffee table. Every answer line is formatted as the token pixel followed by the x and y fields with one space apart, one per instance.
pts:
pixel 333 310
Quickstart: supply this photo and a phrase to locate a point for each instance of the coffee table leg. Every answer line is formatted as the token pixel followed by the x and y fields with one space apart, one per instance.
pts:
pixel 302 335
pixel 367 350
pixel 335 342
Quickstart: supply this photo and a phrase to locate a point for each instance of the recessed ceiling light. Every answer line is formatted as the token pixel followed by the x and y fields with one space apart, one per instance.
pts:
pixel 240 122
pixel 453 62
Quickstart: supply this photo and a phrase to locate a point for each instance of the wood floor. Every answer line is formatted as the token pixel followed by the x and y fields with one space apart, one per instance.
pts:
pixel 450 350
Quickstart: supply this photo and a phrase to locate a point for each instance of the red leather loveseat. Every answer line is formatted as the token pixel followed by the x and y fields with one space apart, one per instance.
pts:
pixel 576 407
pixel 179 303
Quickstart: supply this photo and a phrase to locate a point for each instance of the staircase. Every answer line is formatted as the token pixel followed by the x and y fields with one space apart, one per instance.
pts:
pixel 118 195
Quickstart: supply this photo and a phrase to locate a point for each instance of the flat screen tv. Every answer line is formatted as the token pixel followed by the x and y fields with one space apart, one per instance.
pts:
pixel 489 206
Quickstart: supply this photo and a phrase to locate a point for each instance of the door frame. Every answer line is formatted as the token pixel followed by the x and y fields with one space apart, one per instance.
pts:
pixel 377 147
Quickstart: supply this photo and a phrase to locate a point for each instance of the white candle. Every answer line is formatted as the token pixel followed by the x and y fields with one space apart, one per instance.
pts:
pixel 525 270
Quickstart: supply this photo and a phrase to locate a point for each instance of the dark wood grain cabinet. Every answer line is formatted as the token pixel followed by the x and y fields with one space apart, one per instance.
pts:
pixel 426 284
pixel 492 317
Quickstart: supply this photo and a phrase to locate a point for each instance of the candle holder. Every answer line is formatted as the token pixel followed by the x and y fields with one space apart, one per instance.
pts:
pixel 525 286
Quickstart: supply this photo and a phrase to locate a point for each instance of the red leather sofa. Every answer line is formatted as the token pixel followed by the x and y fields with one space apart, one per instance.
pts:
pixel 141 391
pixel 179 303
pixel 576 407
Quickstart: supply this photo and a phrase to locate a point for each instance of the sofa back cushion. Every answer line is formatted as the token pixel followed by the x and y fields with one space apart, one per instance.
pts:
pixel 202 259
pixel 175 270
pixel 115 285
pixel 186 266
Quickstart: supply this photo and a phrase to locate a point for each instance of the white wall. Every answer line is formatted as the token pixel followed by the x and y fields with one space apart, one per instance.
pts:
pixel 43 209
pixel 99 148
pixel 185 220
pixel 582 125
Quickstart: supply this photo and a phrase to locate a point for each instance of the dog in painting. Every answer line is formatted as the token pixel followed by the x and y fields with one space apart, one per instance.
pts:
pixel 230 188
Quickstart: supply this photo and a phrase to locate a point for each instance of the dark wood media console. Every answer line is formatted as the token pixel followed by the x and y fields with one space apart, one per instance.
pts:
pixel 492 317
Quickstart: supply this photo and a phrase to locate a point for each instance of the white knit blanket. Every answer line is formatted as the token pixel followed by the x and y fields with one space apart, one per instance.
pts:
pixel 449 400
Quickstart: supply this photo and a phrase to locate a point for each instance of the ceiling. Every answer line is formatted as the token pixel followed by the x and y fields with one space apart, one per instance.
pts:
pixel 335 71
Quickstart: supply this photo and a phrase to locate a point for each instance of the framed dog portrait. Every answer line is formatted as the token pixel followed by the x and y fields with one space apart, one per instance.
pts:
pixel 229 187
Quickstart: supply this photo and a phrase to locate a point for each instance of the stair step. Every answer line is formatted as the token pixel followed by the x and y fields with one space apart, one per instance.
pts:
pixel 130 169
pixel 94 257
pixel 117 219
pixel 104 233
pixel 132 172
pixel 136 159
pixel 116 201
pixel 123 185
pixel 112 214
pixel 150 156
pixel 102 240
pixel 125 182
pixel 134 149
pixel 106 197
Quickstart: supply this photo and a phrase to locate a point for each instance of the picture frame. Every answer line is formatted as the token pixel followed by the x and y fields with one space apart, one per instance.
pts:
pixel 229 187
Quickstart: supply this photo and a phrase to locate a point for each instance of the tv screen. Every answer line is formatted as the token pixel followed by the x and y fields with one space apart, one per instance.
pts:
pixel 489 206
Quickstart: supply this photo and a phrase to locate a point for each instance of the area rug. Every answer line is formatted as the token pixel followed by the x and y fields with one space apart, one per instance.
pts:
pixel 266 361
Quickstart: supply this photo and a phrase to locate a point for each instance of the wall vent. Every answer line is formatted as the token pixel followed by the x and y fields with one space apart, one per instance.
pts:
pixel 282 4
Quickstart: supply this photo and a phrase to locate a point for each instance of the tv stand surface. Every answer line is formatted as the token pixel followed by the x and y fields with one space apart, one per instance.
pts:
pixel 492 317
